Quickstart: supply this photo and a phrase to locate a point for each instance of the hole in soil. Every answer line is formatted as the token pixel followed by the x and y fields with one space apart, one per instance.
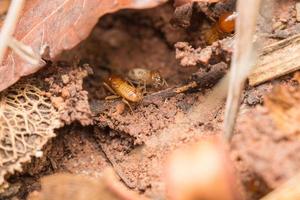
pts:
pixel 129 141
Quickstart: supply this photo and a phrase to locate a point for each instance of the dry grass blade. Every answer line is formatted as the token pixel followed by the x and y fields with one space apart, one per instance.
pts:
pixel 243 59
pixel 10 25
pixel 25 52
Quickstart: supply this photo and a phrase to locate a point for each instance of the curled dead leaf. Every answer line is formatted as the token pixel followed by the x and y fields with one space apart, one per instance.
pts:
pixel 59 25
pixel 78 187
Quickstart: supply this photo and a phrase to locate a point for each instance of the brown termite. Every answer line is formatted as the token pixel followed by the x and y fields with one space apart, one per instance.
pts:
pixel 223 27
pixel 146 77
pixel 122 89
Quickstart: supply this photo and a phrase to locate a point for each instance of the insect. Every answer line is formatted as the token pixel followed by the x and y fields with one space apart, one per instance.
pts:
pixel 222 28
pixel 146 77
pixel 121 88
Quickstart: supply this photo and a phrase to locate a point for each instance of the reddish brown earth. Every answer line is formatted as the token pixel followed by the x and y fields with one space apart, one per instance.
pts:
pixel 136 144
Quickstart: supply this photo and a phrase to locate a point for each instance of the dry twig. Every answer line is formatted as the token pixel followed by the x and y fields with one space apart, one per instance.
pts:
pixel 9 25
pixel 277 59
pixel 242 61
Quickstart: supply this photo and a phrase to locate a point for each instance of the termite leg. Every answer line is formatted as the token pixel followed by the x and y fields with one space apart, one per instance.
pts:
pixel 130 82
pixel 109 88
pixel 145 88
pixel 128 104
pixel 165 82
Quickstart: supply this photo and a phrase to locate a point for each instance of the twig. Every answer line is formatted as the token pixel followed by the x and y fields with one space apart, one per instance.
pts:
pixel 9 25
pixel 242 61
pixel 25 52
pixel 278 59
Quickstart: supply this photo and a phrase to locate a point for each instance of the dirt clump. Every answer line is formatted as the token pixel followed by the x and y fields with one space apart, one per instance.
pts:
pixel 65 90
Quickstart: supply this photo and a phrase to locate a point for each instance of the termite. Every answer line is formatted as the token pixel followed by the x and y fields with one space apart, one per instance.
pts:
pixel 222 28
pixel 146 77
pixel 121 88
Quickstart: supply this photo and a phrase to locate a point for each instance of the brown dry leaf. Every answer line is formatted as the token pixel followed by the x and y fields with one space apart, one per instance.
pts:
pixel 77 187
pixel 27 122
pixel 60 25
pixel 283 104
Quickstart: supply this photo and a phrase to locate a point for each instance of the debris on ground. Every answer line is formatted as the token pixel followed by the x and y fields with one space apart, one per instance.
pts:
pixel 82 134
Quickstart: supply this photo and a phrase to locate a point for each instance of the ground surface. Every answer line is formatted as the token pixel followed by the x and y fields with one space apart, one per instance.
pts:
pixel 104 133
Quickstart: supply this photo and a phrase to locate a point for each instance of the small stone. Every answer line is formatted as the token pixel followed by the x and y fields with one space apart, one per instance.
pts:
pixel 65 79
pixel 278 26
pixel 57 101
pixel 65 93
pixel 38 154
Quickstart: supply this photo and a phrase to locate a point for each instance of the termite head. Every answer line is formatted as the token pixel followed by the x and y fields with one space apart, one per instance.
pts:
pixel 227 22
pixel 157 79
pixel 138 95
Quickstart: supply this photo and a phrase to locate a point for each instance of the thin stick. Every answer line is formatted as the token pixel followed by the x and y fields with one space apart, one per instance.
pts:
pixel 25 52
pixel 242 61
pixel 9 25
pixel 278 59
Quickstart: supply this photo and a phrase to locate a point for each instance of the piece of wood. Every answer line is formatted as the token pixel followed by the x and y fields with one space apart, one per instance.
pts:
pixel 298 11
pixel 277 59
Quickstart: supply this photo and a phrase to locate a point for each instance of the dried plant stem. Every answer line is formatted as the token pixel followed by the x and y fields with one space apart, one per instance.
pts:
pixel 243 60
pixel 24 52
pixel 9 25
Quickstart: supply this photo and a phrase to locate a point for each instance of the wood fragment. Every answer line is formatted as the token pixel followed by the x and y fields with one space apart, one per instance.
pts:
pixel 277 59
pixel 298 11
pixel 10 25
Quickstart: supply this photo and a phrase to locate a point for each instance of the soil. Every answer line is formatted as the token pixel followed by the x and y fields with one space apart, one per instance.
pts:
pixel 101 133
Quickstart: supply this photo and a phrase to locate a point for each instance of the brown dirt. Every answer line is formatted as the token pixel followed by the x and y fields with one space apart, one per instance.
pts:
pixel 137 144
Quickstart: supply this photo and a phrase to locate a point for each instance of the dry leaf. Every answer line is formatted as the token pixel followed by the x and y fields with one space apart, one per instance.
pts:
pixel 77 187
pixel 59 24
pixel 27 122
